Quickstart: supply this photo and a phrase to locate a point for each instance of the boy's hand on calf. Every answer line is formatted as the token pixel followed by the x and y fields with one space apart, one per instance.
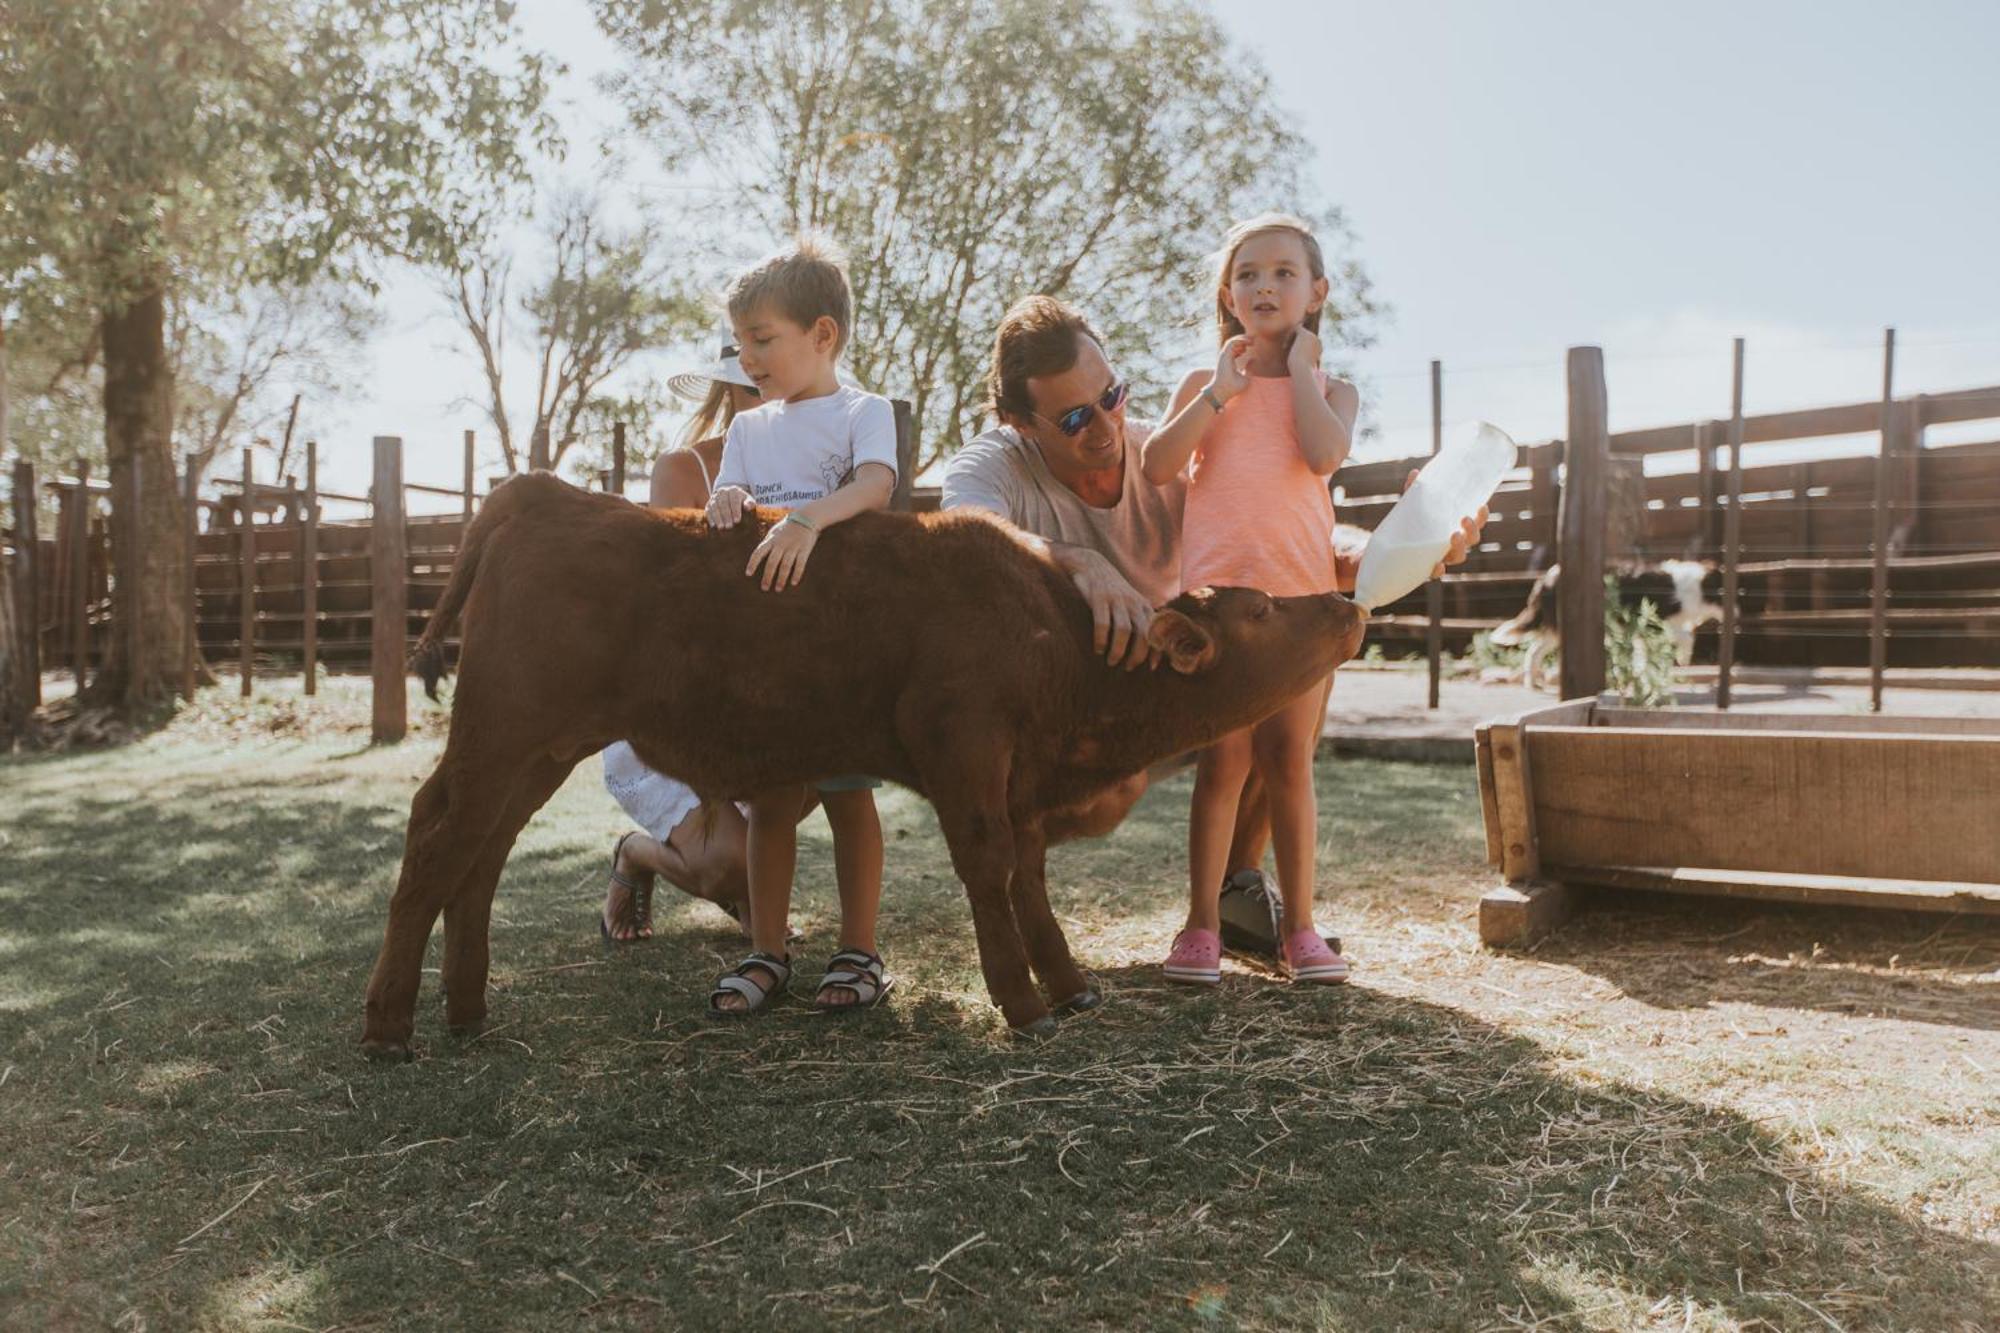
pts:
pixel 783 553
pixel 726 506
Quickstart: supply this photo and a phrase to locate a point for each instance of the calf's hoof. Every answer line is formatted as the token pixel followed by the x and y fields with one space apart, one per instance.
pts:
pixel 466 1029
pixel 386 1051
pixel 1080 1004
pixel 1041 1028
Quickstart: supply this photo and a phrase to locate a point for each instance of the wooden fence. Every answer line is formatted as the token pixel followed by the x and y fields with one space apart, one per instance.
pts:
pixel 276 588
pixel 1805 558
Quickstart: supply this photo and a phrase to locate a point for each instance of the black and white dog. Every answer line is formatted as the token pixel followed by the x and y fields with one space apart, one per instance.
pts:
pixel 1686 593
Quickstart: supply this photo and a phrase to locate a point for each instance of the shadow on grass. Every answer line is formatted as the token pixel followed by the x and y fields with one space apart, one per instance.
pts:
pixel 189 1109
pixel 1679 952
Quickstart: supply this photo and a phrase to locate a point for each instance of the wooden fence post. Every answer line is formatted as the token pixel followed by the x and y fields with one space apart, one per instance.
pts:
pixel 906 453
pixel 309 570
pixel 618 458
pixel 1703 544
pixel 1434 590
pixel 28 583
pixel 191 600
pixel 131 603
pixel 79 578
pixel 1732 533
pixel 538 450
pixel 466 519
pixel 1580 591
pixel 246 647
pixel 388 561
pixel 1878 601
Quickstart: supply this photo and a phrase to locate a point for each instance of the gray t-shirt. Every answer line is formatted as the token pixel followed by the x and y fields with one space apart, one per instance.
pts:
pixel 1140 535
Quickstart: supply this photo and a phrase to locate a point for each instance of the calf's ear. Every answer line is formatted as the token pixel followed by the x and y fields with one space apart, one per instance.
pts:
pixel 1189 647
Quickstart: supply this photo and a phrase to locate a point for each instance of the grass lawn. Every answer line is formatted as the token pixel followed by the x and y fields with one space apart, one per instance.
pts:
pixel 1673 1116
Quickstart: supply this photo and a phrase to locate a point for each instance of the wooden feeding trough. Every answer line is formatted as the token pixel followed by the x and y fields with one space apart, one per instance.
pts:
pixel 1852 810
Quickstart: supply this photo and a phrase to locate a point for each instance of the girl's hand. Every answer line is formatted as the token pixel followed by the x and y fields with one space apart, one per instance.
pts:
pixel 783 553
pixel 726 506
pixel 1303 356
pixel 1232 369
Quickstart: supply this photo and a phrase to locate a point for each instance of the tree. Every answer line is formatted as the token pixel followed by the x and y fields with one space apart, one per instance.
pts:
pixel 608 294
pixel 967 153
pixel 305 136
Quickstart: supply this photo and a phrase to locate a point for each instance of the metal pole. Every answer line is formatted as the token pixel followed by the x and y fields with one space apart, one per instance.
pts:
pixel 191 609
pixel 28 597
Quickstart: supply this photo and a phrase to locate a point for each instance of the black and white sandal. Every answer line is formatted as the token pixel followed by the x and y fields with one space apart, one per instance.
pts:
pixel 860 974
pixel 642 900
pixel 757 978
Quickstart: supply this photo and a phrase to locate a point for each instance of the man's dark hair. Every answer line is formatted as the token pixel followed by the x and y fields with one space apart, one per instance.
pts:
pixel 1037 337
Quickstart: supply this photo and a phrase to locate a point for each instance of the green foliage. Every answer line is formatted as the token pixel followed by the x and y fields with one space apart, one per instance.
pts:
pixel 967 153
pixel 144 139
pixel 1638 651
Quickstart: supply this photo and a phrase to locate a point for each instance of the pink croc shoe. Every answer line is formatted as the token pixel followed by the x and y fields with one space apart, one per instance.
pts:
pixel 1196 958
pixel 1308 958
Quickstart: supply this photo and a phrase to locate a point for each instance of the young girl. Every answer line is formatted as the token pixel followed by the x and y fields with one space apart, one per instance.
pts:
pixel 1264 431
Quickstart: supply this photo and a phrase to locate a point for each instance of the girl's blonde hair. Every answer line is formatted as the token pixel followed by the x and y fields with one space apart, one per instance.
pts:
pixel 712 417
pixel 1227 326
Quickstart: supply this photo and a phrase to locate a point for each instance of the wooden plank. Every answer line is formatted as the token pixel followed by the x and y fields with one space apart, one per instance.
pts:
pixel 1515 916
pixel 1703 544
pixel 27 583
pixel 79 578
pixel 906 454
pixel 1580 594
pixel 388 646
pixel 466 495
pixel 1489 801
pixel 617 458
pixel 1514 803
pixel 1433 590
pixel 1878 626
pixel 1822 890
pixel 1846 419
pixel 309 573
pixel 1704 719
pixel 191 591
pixel 1732 531
pixel 1808 802
pixel 128 513
pixel 247 608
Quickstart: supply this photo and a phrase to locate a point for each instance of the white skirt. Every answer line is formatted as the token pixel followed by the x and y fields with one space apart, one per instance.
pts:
pixel 654 801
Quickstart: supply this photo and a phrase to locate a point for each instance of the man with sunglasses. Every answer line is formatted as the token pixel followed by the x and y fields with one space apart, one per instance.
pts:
pixel 1063 464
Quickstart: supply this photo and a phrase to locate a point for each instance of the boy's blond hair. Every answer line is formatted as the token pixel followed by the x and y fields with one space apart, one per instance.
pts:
pixel 801 283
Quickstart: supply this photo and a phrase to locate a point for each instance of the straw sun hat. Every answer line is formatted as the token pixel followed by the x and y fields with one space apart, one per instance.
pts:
pixel 693 385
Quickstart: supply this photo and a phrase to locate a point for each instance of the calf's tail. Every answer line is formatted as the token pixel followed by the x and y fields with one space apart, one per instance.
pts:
pixel 427 658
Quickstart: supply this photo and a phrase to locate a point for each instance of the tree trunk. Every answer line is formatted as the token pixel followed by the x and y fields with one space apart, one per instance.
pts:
pixel 149 548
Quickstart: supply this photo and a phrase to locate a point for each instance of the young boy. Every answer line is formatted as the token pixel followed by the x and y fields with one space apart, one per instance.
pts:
pixel 826 452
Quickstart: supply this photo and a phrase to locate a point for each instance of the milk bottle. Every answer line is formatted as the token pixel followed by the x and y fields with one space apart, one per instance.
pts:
pixel 1418 531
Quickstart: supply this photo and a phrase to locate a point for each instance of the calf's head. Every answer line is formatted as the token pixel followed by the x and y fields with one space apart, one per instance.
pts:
pixel 1249 651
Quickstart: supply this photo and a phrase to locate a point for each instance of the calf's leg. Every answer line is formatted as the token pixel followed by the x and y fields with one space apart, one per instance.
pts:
pixel 454 813
pixel 468 912
pixel 1069 990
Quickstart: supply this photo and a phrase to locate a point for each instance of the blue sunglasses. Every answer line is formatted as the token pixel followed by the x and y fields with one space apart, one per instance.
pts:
pixel 1072 422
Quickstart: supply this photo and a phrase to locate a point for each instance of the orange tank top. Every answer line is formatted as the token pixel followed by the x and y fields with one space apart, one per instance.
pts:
pixel 1257 515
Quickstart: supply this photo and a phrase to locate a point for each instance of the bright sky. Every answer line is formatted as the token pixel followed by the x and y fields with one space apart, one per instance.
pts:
pixel 1528 176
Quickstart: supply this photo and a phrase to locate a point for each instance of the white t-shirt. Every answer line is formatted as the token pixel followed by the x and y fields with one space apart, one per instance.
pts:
pixel 788 454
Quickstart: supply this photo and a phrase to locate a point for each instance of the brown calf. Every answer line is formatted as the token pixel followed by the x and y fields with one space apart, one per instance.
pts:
pixel 940 651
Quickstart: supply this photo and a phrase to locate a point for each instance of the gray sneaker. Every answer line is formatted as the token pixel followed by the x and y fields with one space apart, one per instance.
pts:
pixel 1251 912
